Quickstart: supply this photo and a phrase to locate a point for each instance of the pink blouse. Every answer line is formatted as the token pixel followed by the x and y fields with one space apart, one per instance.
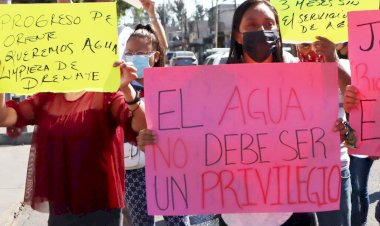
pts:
pixel 76 160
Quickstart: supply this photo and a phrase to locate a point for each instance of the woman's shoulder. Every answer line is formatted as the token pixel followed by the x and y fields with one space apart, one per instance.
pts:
pixel 42 98
pixel 109 97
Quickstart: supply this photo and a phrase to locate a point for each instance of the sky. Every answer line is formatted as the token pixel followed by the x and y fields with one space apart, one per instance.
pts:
pixel 190 4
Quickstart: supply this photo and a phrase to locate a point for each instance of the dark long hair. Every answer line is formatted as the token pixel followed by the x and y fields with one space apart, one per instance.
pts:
pixel 236 49
pixel 147 32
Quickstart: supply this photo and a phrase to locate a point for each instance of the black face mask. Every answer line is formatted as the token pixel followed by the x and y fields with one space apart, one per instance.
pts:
pixel 341 56
pixel 260 44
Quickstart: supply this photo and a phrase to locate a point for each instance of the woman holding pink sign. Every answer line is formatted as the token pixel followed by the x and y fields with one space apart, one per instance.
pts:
pixel 256 38
pixel 143 50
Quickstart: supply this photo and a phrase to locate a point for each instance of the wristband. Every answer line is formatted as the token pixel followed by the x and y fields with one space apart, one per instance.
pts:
pixel 133 111
pixel 134 101
pixel 156 17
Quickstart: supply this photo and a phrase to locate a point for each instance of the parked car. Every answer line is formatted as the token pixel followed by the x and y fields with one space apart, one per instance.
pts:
pixel 169 56
pixel 213 51
pixel 183 58
pixel 217 50
pixel 217 58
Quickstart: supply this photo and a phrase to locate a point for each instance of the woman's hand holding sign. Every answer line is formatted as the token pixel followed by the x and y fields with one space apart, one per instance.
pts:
pixel 351 98
pixel 128 73
pixel 326 48
pixel 146 137
pixel 132 99
pixel 340 126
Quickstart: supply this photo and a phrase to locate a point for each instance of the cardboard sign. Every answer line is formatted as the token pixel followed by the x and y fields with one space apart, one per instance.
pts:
pixel 242 138
pixel 302 20
pixel 364 52
pixel 58 48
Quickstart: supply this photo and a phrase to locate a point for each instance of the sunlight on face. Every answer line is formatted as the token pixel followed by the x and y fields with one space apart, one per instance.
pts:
pixel 136 44
pixel 140 46
pixel 258 18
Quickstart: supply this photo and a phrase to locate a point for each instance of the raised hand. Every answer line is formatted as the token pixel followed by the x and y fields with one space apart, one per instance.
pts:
pixel 149 7
pixel 325 47
pixel 128 73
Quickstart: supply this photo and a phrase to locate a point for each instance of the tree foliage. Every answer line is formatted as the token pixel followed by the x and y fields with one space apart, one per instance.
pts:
pixel 211 18
pixel 140 15
pixel 164 13
pixel 200 13
pixel 178 8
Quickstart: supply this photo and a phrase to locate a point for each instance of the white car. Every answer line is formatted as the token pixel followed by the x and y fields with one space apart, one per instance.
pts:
pixel 217 58
pixel 217 50
pixel 183 58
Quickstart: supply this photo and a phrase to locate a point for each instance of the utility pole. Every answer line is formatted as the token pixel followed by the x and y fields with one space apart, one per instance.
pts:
pixel 165 20
pixel 164 14
pixel 216 24
pixel 212 14
pixel 197 17
pixel 235 5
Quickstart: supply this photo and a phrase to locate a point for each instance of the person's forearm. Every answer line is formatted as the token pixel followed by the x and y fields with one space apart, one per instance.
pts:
pixel 159 29
pixel 138 118
pixel 137 109
pixel 2 98
pixel 8 116
pixel 3 110
pixel 129 93
pixel 344 78
pixel 150 8
pixel 160 32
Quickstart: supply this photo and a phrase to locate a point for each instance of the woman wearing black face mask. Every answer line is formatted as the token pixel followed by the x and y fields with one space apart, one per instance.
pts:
pixel 256 36
pixel 342 50
pixel 257 28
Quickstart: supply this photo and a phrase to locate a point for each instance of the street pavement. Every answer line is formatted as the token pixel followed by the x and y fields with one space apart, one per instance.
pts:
pixel 13 165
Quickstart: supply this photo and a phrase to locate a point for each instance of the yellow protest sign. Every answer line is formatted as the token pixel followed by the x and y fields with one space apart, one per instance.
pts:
pixel 302 20
pixel 58 48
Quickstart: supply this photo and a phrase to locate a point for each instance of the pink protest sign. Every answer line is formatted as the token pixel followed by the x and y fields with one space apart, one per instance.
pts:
pixel 364 52
pixel 242 138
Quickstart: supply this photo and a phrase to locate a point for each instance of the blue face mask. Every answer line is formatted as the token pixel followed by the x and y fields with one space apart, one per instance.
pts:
pixel 139 61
